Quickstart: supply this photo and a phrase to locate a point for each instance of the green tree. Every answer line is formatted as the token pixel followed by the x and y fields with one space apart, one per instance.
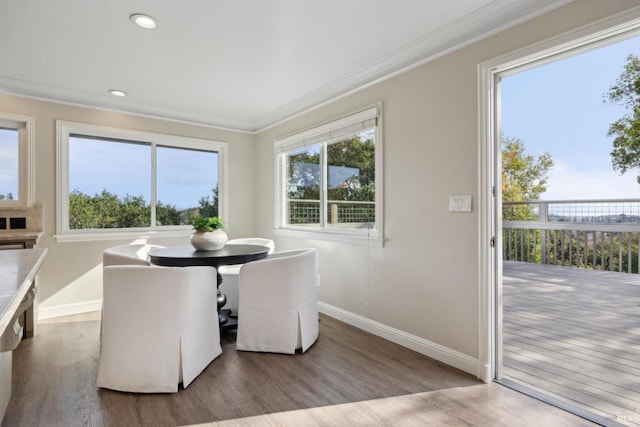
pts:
pixel 81 211
pixel 356 153
pixel 107 210
pixel 167 214
pixel 304 176
pixel 626 130
pixel 134 212
pixel 303 183
pixel 209 204
pixel 359 154
pixel 524 178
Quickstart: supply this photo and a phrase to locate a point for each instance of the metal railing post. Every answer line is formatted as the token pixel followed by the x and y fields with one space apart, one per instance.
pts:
pixel 334 213
pixel 597 234
pixel 544 216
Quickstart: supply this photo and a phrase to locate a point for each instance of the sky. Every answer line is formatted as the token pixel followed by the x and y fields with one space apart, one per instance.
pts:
pixel 184 176
pixel 559 108
pixel 9 162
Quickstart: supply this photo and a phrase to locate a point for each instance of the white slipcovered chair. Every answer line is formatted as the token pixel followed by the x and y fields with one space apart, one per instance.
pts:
pixel 128 255
pixel 137 254
pixel 230 273
pixel 278 304
pixel 159 327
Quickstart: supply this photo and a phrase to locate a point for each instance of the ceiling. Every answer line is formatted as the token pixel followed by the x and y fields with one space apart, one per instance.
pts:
pixel 241 64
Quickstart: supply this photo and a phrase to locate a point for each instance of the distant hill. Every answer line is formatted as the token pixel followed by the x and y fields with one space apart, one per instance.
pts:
pixel 598 219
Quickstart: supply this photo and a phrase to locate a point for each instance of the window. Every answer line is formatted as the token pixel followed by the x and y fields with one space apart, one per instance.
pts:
pixel 329 178
pixel 115 181
pixel 16 160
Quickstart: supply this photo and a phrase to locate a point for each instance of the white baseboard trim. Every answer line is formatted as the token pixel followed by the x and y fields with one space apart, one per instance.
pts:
pixel 69 309
pixel 436 351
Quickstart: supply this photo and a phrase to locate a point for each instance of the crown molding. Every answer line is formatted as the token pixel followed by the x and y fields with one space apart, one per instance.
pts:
pixel 60 95
pixel 469 29
pixel 479 25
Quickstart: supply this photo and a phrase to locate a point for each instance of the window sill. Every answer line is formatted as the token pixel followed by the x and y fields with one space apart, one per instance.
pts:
pixel 97 235
pixel 336 237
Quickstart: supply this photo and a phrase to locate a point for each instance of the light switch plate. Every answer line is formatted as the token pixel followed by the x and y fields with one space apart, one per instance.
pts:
pixel 460 203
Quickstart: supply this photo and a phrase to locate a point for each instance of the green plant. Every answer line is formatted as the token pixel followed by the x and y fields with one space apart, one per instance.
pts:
pixel 205 223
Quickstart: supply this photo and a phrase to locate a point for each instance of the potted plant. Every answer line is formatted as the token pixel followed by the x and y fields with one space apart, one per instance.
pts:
pixel 208 233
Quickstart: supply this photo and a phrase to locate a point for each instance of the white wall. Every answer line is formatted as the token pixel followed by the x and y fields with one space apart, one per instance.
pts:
pixel 425 281
pixel 72 274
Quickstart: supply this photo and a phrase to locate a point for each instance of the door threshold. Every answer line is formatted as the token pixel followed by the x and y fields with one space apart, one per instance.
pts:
pixel 558 403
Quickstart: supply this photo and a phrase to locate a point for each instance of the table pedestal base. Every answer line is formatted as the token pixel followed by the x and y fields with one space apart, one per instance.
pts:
pixel 229 322
pixel 186 256
pixel 225 320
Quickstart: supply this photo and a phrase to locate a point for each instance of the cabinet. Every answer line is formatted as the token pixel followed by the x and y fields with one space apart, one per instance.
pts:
pixel 24 240
pixel 18 271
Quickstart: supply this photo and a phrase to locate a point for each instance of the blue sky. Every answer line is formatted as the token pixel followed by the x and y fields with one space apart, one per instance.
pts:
pixel 184 176
pixel 559 108
pixel 9 162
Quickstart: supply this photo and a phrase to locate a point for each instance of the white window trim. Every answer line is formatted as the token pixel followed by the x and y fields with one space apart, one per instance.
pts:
pixel 64 129
pixel 283 145
pixel 26 157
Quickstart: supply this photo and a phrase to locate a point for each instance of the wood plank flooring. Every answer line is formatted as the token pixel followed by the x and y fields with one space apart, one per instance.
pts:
pixel 349 377
pixel 575 334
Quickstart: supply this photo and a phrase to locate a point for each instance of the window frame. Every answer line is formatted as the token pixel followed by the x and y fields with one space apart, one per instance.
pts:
pixel 25 125
pixel 321 135
pixel 64 129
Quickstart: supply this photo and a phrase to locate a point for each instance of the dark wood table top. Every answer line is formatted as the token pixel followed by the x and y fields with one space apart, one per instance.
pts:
pixel 184 256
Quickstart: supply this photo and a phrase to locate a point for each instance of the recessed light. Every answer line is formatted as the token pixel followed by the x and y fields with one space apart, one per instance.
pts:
pixel 144 21
pixel 116 92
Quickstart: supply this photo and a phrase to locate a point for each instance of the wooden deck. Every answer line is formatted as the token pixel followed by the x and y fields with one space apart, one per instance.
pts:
pixel 574 334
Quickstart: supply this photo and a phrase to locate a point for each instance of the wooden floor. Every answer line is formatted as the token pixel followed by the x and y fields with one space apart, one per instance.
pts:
pixel 575 334
pixel 347 378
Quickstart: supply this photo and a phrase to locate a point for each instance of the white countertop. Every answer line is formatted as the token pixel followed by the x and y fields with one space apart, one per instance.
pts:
pixel 18 268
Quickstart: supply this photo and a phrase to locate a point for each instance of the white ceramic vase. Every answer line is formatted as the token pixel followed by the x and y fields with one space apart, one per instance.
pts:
pixel 208 240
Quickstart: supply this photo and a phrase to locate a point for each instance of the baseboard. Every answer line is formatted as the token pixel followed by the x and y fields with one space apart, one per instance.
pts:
pixel 436 351
pixel 69 309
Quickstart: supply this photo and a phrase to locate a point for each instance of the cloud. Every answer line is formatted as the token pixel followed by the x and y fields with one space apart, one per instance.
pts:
pixel 567 183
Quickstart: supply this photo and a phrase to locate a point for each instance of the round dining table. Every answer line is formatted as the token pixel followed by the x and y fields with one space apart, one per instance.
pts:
pixel 186 256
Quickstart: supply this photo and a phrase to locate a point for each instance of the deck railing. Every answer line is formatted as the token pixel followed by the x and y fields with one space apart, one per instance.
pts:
pixel 593 234
pixel 339 212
